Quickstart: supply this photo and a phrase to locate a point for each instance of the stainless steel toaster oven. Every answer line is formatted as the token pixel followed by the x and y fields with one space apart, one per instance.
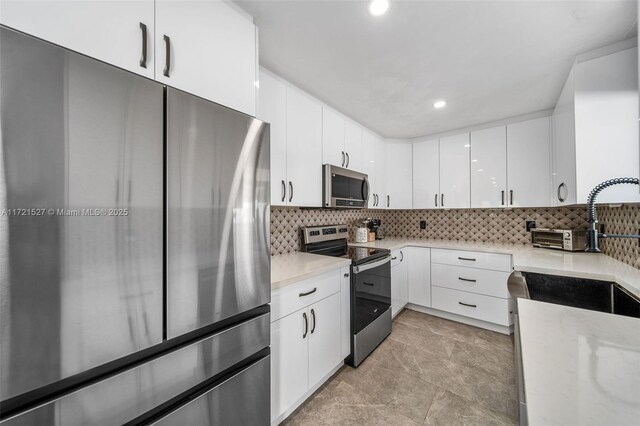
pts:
pixel 560 239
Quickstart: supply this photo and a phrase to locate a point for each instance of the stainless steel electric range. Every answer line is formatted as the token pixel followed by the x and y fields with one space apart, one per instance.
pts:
pixel 370 286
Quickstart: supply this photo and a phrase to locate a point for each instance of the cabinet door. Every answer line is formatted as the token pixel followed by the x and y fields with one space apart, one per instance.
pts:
pixel 419 275
pixel 212 51
pixel 399 290
pixel 353 145
pixel 368 165
pixel 333 138
pixel 272 108
pixel 528 163
pixel 426 174
pixel 489 167
pixel 381 173
pixel 111 31
pixel 289 361
pixel 304 150
pixel 454 171
pixel 325 338
pixel 399 175
pixel 345 317
pixel 404 281
pixel 564 148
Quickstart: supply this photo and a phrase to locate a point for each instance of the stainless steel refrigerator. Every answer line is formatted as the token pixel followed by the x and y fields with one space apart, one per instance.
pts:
pixel 134 248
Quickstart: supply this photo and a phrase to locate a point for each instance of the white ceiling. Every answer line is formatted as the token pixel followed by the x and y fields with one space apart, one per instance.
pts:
pixel 489 59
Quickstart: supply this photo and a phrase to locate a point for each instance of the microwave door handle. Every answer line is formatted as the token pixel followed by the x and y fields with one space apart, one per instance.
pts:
pixel 365 191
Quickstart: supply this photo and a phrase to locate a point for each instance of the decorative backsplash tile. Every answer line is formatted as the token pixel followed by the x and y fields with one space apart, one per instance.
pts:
pixel 506 226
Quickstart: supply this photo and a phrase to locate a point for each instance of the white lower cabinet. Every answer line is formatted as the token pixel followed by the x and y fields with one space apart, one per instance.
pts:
pixel 399 281
pixel 345 283
pixel 419 275
pixel 307 344
pixel 485 308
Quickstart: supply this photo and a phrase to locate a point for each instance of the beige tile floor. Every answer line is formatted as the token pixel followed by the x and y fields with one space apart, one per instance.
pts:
pixel 428 371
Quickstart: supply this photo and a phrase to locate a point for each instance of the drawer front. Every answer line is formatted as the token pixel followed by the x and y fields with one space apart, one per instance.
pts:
pixel 291 298
pixel 481 281
pixel 472 259
pixel 397 256
pixel 478 306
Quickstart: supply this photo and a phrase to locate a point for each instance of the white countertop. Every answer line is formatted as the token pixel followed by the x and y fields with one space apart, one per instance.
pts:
pixel 290 268
pixel 580 367
pixel 540 260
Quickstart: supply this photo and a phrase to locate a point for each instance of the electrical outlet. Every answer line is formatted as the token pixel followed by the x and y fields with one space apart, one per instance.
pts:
pixel 530 224
pixel 423 224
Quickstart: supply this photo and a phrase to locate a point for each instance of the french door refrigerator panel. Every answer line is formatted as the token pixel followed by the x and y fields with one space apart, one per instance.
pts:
pixel 218 213
pixel 77 291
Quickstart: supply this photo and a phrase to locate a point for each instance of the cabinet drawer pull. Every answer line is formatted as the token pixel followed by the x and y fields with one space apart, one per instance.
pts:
pixel 313 319
pixel 467 258
pixel 143 58
pixel 347 166
pixel 401 256
pixel 394 257
pixel 388 200
pixel 284 191
pixel 436 199
pixel 346 275
pixel 308 293
pixel 511 197
pixel 306 325
pixel 467 279
pixel 167 50
pixel 441 200
pixel 369 284
pixel 562 198
pixel 343 159
pixel 466 304
pixel 290 191
pixel 502 196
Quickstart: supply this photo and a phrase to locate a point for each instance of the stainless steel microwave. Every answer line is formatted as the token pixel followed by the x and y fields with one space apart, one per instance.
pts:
pixel 344 188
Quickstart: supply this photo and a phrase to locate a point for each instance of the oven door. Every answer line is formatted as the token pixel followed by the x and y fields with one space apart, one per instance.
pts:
pixel 344 188
pixel 371 292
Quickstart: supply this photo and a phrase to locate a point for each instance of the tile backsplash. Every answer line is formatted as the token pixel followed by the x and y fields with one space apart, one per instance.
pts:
pixel 506 226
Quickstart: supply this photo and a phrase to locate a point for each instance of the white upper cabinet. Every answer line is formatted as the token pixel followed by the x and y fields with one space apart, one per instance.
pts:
pixel 333 138
pixel 595 127
pixel 116 32
pixel 426 174
pixel 207 48
pixel 528 163
pixel 380 192
pixel 454 172
pixel 353 145
pixel 399 185
pixel 368 165
pixel 272 108
pixel 489 167
pixel 304 149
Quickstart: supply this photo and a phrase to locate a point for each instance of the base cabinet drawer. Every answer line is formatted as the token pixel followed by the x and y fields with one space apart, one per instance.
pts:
pixel 294 297
pixel 472 259
pixel 486 308
pixel 480 281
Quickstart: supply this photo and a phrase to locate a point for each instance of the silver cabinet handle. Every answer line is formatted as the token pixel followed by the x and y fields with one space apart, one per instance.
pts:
pixel 388 200
pixel 284 190
pixel 467 279
pixel 167 50
pixel 401 256
pixel 306 325
pixel 290 191
pixel 511 197
pixel 308 292
pixel 467 304
pixel 436 199
pixel 502 196
pixel 313 319
pixel 560 197
pixel 143 58
pixel 470 259
pixel 441 200
pixel 347 160
pixel 343 158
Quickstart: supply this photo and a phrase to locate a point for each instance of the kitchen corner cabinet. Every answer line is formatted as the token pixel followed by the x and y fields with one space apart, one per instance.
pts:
pixel 426 174
pixel 341 141
pixel 399 186
pixel 489 168
pixel 207 48
pixel 296 142
pixel 595 128
pixel 111 31
pixel 418 261
pixel 399 281
pixel 368 166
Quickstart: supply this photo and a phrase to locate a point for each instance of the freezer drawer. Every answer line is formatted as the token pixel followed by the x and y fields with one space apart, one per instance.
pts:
pixel 219 261
pixel 243 399
pixel 130 394
pixel 81 257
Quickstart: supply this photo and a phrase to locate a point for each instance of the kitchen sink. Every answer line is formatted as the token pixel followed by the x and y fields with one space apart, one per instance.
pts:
pixel 595 295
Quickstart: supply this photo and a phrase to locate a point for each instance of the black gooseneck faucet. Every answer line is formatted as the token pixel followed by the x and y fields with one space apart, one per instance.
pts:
pixel 592 234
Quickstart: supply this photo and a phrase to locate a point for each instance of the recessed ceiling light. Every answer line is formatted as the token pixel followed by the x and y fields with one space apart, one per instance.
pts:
pixel 378 7
pixel 440 104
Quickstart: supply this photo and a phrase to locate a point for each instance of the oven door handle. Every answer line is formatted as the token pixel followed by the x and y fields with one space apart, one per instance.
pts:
pixel 371 265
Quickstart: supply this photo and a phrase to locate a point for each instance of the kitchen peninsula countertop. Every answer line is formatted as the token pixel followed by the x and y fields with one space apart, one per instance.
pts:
pixel 526 258
pixel 579 366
